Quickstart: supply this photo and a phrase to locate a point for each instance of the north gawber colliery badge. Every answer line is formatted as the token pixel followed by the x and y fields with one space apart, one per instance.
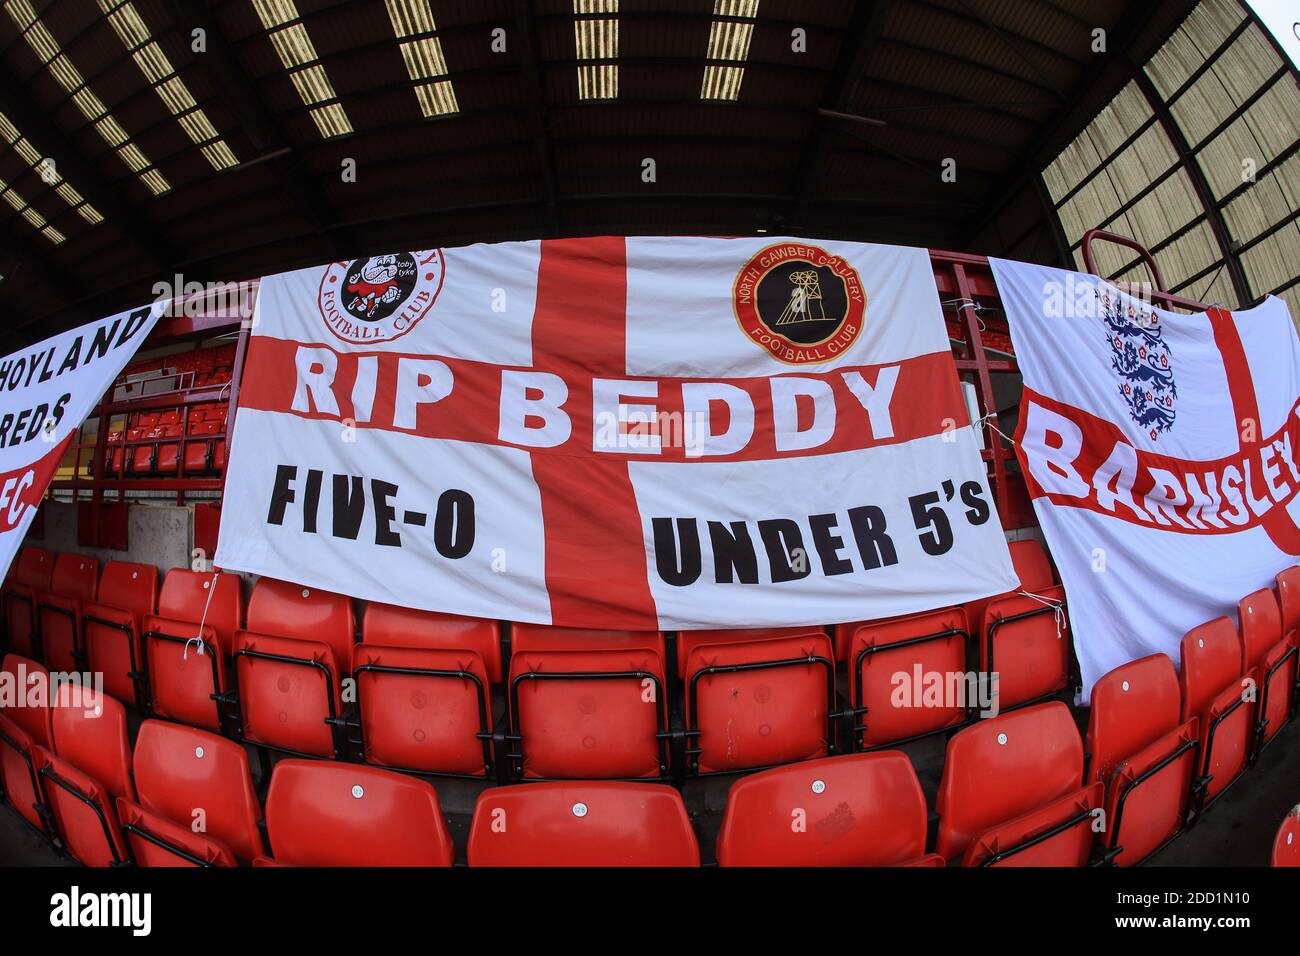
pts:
pixel 802 304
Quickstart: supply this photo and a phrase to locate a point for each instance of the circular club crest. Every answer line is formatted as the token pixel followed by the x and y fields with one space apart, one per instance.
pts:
pixel 801 303
pixel 380 298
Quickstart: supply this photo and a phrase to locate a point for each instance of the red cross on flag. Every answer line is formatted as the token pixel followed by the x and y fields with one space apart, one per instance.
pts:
pixel 615 433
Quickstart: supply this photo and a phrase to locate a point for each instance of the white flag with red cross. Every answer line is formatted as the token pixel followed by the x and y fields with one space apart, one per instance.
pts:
pixel 615 433
pixel 1160 450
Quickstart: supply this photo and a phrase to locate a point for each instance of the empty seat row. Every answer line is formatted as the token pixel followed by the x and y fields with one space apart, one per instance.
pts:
pixel 579 704
pixel 1166 745
pixel 183 795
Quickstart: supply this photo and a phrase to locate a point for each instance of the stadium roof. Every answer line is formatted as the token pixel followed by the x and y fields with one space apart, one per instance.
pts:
pixel 214 139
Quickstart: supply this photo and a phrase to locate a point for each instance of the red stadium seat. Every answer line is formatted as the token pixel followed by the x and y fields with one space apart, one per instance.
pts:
pixel 1288 599
pixel 88 730
pixel 759 703
pixel 1025 642
pixel 423 690
pixel 588 704
pixel 289 662
pixel 186 662
pixel 320 813
pixel 1271 657
pixel 33 680
pixel 1022 636
pixel 1003 768
pixel 111 627
pixel 88 770
pixel 72 583
pixel 582 823
pixel 1213 689
pixel 29 575
pixel 856 810
pixel 1286 845
pixel 20 766
pixel 918 645
pixel 1145 756
pixel 1032 568
pixel 197 782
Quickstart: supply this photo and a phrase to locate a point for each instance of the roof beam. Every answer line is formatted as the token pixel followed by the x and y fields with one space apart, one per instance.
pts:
pixel 851 64
pixel 17 316
pixel 222 63
pixel 33 123
pixel 1030 161
pixel 539 118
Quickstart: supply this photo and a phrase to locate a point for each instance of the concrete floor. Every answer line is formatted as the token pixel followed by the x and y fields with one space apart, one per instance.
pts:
pixel 1237 831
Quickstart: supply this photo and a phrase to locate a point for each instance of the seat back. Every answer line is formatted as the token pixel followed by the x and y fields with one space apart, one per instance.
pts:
pixel 129 587
pixel 112 625
pixel 1288 598
pixel 1025 641
pixel 332 814
pixel 1033 568
pixel 88 730
pixel 386 625
pixel 34 568
pixel 1286 845
pixel 282 609
pixel 185 597
pixel 289 691
pixel 75 576
pixel 857 810
pixel 1211 660
pixel 32 680
pixel 1001 768
pixel 189 776
pixel 1259 620
pixel 917 645
pixel 419 713
pixel 760 703
pixel 587 823
pixel 1132 705
pixel 589 727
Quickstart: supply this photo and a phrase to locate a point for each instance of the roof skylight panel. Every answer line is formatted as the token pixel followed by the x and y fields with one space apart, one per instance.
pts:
pixel 66 75
pixel 171 89
pixel 292 44
pixel 596 38
pixel 728 40
pixel 422 53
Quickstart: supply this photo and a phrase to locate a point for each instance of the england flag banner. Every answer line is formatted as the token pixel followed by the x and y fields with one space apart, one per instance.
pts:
pixel 1160 452
pixel 46 391
pixel 630 433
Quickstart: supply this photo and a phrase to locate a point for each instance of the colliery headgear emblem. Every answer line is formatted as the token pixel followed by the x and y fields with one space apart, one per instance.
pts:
pixel 802 304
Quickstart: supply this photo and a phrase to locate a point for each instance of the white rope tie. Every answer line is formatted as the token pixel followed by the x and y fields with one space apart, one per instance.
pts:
pixel 197 639
pixel 1058 610
pixel 991 419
